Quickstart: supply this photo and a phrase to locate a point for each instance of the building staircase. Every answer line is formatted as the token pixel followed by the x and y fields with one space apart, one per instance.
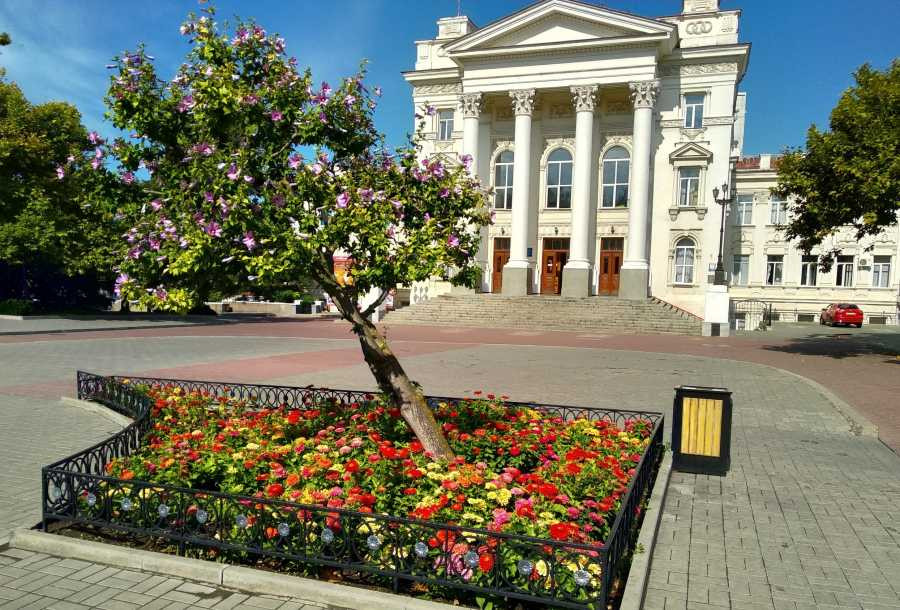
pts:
pixel 610 315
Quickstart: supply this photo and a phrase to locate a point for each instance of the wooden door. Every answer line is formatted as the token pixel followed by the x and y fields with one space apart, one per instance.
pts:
pixel 556 253
pixel 501 257
pixel 610 265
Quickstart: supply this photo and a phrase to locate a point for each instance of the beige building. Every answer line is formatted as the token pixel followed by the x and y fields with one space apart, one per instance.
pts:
pixel 603 134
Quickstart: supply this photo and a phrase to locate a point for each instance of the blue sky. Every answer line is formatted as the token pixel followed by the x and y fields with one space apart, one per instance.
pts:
pixel 804 51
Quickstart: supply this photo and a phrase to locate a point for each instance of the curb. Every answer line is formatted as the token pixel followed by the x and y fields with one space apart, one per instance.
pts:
pixel 97 409
pixel 636 585
pixel 246 579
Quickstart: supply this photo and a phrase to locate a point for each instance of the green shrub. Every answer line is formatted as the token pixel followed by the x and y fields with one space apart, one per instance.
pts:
pixel 15 307
pixel 285 295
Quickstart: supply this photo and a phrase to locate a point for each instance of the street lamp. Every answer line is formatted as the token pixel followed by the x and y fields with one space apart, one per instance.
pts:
pixel 727 197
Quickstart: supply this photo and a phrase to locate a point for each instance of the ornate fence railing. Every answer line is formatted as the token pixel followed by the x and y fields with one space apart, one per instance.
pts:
pixel 76 490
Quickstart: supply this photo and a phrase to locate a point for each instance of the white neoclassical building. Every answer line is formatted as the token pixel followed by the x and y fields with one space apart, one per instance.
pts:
pixel 603 134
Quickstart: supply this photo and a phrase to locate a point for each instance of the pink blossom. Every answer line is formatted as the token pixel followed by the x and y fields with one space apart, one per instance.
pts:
pixel 276 115
pixel 156 204
pixel 294 161
pixel 365 194
pixel 444 193
pixel 249 241
pixel 316 169
pixel 233 172
pixel 94 137
pixel 349 101
pixel 186 103
pixel 343 199
pixel 127 177
pixel 60 172
pixel 96 163
pixel 453 241
pixel 98 153
pixel 214 229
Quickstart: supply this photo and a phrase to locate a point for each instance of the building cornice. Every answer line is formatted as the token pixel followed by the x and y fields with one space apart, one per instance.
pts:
pixel 420 76
pixel 543 48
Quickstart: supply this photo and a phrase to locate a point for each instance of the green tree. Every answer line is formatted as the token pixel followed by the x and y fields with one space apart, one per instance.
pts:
pixel 257 174
pixel 52 211
pixel 850 175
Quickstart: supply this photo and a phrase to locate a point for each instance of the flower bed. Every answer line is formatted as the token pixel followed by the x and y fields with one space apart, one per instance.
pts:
pixel 531 508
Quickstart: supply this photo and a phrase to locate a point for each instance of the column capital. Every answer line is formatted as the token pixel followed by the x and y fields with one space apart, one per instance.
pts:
pixel 470 104
pixel 583 97
pixel 523 101
pixel 643 93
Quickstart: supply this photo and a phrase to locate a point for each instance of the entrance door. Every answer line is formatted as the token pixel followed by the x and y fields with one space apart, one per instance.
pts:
pixel 501 256
pixel 610 263
pixel 556 253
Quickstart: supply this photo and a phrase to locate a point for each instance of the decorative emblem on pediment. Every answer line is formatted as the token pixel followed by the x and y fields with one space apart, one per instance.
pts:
pixel 560 111
pixel 437 88
pixel 643 93
pixel 583 98
pixel 523 101
pixel 470 104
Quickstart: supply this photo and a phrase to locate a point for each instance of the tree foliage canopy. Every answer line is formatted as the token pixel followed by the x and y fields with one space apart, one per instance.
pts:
pixel 52 211
pixel 256 173
pixel 850 175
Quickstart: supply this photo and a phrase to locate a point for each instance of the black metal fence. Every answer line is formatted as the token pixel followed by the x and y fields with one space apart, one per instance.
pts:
pixel 76 490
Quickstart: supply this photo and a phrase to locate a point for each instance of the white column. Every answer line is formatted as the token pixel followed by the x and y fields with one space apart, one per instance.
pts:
pixel 470 105
pixel 636 267
pixel 577 272
pixel 515 272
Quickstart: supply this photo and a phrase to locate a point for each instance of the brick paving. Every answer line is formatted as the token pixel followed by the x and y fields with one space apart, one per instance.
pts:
pixel 34 580
pixel 808 516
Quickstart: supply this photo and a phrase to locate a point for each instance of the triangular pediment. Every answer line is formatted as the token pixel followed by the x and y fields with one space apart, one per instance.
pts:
pixel 691 152
pixel 559 23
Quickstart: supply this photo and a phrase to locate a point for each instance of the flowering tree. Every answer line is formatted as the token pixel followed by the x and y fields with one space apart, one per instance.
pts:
pixel 256 174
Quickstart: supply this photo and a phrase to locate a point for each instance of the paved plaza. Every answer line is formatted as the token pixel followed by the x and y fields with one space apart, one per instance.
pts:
pixel 808 516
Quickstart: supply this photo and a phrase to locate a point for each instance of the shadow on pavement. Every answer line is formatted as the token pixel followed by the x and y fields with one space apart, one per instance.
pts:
pixel 841 345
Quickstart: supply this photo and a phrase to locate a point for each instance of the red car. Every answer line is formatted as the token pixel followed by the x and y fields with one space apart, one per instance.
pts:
pixel 847 314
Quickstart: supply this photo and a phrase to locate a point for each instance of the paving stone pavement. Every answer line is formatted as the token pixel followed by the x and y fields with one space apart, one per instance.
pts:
pixel 808 516
pixel 33 581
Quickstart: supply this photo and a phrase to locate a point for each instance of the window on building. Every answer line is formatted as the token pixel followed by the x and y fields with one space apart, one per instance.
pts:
pixel 616 167
pixel 684 261
pixel 740 270
pixel 503 180
pixel 743 210
pixel 693 110
pixel 777 211
pixel 689 186
pixel 881 271
pixel 774 269
pixel 445 125
pixel 843 271
pixel 809 266
pixel 559 179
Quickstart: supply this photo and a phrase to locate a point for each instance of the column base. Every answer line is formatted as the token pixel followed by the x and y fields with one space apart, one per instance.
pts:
pixel 515 281
pixel 634 284
pixel 576 282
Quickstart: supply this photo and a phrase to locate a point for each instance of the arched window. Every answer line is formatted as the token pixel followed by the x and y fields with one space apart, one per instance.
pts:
pixel 559 179
pixel 616 166
pixel 503 180
pixel 684 261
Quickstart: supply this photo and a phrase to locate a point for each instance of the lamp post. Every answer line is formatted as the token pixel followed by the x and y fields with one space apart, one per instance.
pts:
pixel 727 197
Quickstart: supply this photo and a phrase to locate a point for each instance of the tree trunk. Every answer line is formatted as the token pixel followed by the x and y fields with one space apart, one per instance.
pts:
pixel 394 382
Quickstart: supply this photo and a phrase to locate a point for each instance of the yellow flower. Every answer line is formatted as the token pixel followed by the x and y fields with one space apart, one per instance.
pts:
pixel 477 502
pixel 490 485
pixel 504 496
pixel 252 446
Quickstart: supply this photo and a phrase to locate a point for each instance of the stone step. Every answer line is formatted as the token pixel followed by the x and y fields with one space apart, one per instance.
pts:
pixel 541 312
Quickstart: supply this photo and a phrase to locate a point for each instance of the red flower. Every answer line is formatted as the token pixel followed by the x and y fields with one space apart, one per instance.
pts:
pixel 514 451
pixel 410 491
pixel 352 466
pixel 548 490
pixel 486 562
pixel 560 531
pixel 416 447
pixel 293 417
pixel 275 490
